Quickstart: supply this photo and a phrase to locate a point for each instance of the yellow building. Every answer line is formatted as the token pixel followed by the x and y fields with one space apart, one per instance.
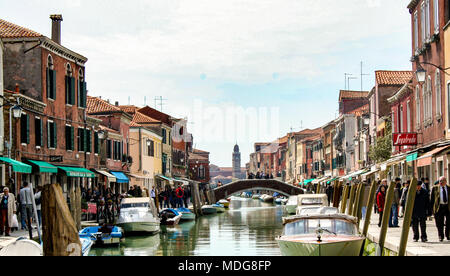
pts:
pixel 447 79
pixel 146 151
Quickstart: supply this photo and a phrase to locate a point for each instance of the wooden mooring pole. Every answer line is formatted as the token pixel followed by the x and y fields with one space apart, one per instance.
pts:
pixel 344 199
pixel 369 208
pixel 351 200
pixel 386 216
pixel 336 194
pixel 412 190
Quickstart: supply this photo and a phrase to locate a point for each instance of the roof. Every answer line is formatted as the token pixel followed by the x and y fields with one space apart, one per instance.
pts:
pixel 393 77
pixel 199 151
pixel 131 109
pixel 10 30
pixel 155 114
pixel 348 94
pixel 97 105
pixel 140 118
pixel 360 110
pixel 194 156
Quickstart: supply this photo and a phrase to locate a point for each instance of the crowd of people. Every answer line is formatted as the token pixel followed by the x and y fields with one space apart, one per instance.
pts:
pixel 429 201
pixel 172 197
pixel 259 175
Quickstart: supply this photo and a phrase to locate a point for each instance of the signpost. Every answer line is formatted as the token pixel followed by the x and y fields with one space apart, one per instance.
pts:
pixel 404 139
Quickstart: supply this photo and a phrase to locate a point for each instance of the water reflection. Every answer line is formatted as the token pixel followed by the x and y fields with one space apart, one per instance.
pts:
pixel 248 228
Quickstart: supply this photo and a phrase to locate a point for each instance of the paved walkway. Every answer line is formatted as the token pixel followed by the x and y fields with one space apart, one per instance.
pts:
pixel 431 248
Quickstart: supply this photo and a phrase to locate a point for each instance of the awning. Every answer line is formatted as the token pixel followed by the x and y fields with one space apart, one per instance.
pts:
pixel 395 160
pixel 412 157
pixel 316 181
pixel 185 183
pixel 110 177
pixel 306 182
pixel 331 180
pixel 365 175
pixel 16 165
pixel 77 172
pixel 120 177
pixel 44 167
pixel 425 160
pixel 350 176
pixel 139 176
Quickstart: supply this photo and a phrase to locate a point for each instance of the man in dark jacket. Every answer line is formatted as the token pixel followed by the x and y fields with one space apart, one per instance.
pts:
pixel 420 213
pixel 441 208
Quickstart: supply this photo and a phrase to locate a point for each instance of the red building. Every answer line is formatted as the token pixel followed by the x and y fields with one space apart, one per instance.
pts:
pixel 48 81
pixel 199 166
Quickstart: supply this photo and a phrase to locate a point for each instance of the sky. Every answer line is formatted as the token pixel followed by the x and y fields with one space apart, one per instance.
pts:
pixel 239 71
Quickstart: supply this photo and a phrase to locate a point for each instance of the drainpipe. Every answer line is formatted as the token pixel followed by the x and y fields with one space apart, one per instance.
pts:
pixel 140 149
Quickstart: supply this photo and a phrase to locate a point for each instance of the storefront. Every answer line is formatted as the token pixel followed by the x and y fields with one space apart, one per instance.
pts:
pixel 431 164
pixel 103 180
pixel 16 167
pixel 121 184
pixel 43 173
pixel 72 176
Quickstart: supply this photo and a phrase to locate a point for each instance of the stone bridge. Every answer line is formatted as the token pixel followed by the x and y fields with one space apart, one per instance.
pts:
pixel 256 184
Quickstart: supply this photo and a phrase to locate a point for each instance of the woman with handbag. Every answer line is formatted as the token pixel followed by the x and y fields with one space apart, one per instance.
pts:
pixel 7 211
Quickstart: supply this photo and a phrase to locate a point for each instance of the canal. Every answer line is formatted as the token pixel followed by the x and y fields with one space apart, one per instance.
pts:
pixel 248 228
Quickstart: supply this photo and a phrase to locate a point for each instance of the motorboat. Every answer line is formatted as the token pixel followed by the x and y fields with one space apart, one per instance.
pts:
pixel 307 200
pixel 19 246
pixel 208 210
pixel 256 196
pixel 224 202
pixel 170 217
pixel 278 201
pixel 311 210
pixel 103 235
pixel 186 214
pixel 320 235
pixel 138 215
pixel 284 201
pixel 267 198
pixel 219 208
pixel 86 245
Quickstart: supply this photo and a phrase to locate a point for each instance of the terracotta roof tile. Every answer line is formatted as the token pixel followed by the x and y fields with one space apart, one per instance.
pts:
pixel 131 109
pixel 199 151
pixel 10 30
pixel 140 118
pixel 360 110
pixel 393 77
pixel 97 105
pixel 347 94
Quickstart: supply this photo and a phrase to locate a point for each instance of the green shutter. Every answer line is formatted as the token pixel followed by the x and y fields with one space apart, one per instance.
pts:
pixel 67 90
pixel 53 78
pixel 28 129
pixel 72 134
pixel 84 94
pixel 47 78
pixel 79 93
pixel 96 145
pixel 55 135
pixel 85 132
pixel 41 133
pixel 49 134
pixel 72 91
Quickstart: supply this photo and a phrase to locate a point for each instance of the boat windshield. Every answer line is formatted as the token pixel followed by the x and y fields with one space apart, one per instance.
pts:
pixel 311 201
pixel 309 226
pixel 317 210
pixel 134 205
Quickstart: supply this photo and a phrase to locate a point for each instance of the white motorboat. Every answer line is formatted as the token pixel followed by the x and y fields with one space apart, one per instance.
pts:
pixel 86 245
pixel 307 200
pixel 291 205
pixel 320 235
pixel 138 215
pixel 13 246
pixel 225 203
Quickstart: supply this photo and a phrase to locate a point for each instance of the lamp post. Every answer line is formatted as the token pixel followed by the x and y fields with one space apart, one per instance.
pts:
pixel 15 110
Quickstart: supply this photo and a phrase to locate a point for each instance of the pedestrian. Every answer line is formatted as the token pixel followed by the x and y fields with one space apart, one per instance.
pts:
pixel 420 213
pixel 441 208
pixel 185 197
pixel 138 191
pixel 37 199
pixel 381 197
pixel 329 192
pixel 179 194
pixel 131 191
pixel 7 211
pixel 153 195
pixel 26 201
pixel 404 194
pixel 393 218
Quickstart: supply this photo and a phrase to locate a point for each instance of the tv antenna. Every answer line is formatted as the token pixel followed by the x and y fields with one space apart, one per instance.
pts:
pixel 362 76
pixel 161 102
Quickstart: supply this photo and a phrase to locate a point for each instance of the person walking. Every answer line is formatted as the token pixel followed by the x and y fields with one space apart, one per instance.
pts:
pixel 441 208
pixel 179 194
pixel 420 213
pixel 37 199
pixel 26 201
pixel 393 219
pixel 404 194
pixel 7 211
pixel 381 197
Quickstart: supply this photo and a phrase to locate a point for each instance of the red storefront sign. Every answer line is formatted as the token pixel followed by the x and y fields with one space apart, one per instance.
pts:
pixel 405 139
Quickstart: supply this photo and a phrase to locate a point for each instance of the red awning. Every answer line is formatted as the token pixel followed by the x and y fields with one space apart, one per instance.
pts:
pixel 425 160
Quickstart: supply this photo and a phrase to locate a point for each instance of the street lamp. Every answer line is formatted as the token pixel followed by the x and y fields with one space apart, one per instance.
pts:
pixel 17 111
pixel 421 74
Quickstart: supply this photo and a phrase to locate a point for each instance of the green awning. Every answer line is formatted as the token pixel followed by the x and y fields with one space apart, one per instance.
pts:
pixel 412 157
pixel 16 165
pixel 44 167
pixel 77 172
pixel 331 180
pixel 306 182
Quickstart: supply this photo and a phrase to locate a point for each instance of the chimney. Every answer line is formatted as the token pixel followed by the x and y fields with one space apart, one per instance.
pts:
pixel 117 103
pixel 56 27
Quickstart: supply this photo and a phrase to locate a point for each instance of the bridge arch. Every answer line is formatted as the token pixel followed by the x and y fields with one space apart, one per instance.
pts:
pixel 255 184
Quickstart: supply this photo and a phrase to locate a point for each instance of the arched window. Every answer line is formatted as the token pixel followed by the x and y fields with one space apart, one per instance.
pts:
pixel 438 94
pixel 429 100
pixel 418 106
pixel 81 89
pixel 70 85
pixel 51 79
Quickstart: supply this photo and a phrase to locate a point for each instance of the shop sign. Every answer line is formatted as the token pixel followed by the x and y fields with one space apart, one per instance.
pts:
pixel 405 139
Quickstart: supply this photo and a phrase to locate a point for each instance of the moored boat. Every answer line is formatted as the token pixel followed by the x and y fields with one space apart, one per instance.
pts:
pixel 103 235
pixel 307 200
pixel 291 205
pixel 320 235
pixel 278 201
pixel 13 246
pixel 256 196
pixel 186 214
pixel 138 215
pixel 86 245
pixel 284 201
pixel 267 198
pixel 225 203
pixel 219 208
pixel 208 210
pixel 170 217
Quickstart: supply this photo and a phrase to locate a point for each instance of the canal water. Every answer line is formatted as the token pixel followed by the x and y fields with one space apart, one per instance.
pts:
pixel 248 228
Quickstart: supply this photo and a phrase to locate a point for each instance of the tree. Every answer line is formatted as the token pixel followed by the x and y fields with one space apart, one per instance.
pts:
pixel 382 149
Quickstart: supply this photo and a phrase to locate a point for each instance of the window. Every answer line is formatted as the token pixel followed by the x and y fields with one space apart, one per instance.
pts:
pixel 448 105
pixel 417 106
pixel 82 92
pixel 150 148
pixel 164 136
pixel 428 20
pixel 400 122
pixel 438 94
pixel 81 140
pixel 408 117
pixel 394 127
pixel 70 86
pixel 88 141
pixel 422 22
pixel 436 16
pixel 25 129
pixel 416 32
pixel 51 79
pixel 108 149
pixel 69 137
pixel 51 134
pixel 38 131
pixel 96 143
pixel 429 99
